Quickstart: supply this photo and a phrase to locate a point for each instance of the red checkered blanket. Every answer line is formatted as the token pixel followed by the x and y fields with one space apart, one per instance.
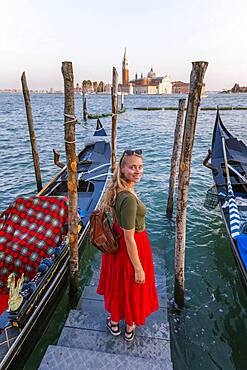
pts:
pixel 29 230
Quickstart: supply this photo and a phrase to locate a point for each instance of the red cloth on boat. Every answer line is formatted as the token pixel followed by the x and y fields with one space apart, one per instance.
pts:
pixel 29 230
pixel 4 296
pixel 124 298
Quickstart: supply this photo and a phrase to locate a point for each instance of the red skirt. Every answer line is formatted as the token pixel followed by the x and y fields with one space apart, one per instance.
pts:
pixel 124 298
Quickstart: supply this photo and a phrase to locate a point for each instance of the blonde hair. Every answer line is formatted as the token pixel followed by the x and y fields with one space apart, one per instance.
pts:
pixel 117 184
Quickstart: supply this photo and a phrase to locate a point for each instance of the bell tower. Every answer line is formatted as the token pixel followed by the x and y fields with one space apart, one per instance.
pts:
pixel 125 70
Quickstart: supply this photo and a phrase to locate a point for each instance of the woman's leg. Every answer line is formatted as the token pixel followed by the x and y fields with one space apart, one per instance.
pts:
pixel 129 332
pixel 113 327
pixel 129 327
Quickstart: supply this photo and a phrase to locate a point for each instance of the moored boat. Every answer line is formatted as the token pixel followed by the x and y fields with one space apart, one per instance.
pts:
pixel 229 169
pixel 33 246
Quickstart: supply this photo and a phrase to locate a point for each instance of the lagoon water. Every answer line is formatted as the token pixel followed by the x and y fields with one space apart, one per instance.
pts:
pixel 211 332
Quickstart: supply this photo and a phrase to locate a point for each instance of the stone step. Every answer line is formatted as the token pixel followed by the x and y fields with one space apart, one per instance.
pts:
pixel 92 315
pixel 64 358
pixel 90 290
pixel 103 341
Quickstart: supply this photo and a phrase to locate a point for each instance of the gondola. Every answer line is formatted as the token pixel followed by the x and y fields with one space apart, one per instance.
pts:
pixel 20 327
pixel 229 169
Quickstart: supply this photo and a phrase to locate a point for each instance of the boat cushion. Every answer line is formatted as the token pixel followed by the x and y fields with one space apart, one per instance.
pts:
pixel 29 230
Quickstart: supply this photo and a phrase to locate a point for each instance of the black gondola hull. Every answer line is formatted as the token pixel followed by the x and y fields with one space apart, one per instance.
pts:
pixel 234 248
pixel 237 157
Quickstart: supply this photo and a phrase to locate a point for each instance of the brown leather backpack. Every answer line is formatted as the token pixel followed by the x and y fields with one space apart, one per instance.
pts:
pixel 101 233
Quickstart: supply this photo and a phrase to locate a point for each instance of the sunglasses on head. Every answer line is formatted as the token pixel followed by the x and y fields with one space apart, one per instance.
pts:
pixel 133 152
pixel 130 152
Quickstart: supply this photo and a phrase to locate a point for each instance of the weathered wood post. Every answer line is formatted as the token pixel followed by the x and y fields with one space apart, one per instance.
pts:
pixel 114 100
pixel 69 131
pixel 85 112
pixel 35 152
pixel 56 156
pixel 196 81
pixel 174 159
pixel 122 101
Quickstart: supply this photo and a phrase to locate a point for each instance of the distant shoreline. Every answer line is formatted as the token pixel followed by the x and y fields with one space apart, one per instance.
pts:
pixel 43 92
pixel 17 91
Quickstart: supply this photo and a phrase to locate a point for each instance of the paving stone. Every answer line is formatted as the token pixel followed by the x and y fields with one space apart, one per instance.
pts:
pixel 96 275
pixel 63 358
pixel 161 289
pixel 89 292
pixel 92 315
pixel 103 341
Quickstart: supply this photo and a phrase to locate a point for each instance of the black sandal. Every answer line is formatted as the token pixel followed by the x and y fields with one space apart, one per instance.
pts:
pixel 111 327
pixel 129 335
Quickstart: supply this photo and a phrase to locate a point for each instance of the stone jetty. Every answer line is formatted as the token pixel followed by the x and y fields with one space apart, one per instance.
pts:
pixel 85 342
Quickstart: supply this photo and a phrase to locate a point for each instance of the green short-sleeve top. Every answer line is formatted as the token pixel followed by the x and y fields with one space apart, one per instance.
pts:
pixel 130 211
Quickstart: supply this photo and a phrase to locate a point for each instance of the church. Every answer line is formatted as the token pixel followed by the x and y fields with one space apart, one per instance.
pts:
pixel 151 84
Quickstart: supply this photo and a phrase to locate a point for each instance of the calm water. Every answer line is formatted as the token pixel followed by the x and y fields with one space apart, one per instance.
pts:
pixel 211 331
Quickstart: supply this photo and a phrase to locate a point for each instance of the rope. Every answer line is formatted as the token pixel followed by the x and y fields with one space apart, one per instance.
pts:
pixel 83 125
pixel 73 118
pixel 69 142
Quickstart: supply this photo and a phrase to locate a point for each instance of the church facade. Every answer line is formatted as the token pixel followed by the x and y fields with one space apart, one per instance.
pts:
pixel 151 84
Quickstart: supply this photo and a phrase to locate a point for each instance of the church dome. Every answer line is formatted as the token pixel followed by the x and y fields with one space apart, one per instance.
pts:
pixel 151 73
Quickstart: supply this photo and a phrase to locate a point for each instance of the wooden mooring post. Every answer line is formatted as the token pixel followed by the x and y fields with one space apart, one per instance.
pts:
pixel 174 159
pixel 84 104
pixel 122 101
pixel 114 100
pixel 196 81
pixel 35 152
pixel 69 130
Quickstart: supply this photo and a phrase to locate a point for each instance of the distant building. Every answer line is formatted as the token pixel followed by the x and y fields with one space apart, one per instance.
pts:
pixel 143 85
pixel 125 87
pixel 125 70
pixel 179 87
pixel 151 84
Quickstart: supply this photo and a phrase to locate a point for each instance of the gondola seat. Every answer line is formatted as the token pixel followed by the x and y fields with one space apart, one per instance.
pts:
pixel 30 229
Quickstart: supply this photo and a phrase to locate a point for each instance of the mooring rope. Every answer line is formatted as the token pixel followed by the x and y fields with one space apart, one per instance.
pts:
pixel 72 118
pixel 69 142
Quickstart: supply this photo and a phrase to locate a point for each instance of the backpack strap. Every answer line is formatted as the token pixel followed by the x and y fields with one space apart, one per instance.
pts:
pixel 113 213
pixel 118 236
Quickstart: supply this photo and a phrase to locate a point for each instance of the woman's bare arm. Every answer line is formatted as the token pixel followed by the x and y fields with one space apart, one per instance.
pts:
pixel 133 255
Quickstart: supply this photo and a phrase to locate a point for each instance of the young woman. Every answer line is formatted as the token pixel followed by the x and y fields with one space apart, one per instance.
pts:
pixel 127 276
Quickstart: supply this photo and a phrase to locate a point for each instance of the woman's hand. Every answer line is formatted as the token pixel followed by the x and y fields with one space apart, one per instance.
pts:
pixel 133 255
pixel 140 276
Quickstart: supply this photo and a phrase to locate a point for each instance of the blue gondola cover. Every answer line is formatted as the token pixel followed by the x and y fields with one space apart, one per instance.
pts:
pixel 242 247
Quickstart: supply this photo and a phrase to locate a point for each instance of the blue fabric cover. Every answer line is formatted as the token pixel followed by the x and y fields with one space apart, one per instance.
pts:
pixel 242 247
pixel 81 212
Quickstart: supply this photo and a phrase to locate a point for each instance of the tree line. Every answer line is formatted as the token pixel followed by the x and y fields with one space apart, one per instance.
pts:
pixel 93 86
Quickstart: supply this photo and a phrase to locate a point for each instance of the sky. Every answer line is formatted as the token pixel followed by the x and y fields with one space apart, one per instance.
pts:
pixel 37 35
